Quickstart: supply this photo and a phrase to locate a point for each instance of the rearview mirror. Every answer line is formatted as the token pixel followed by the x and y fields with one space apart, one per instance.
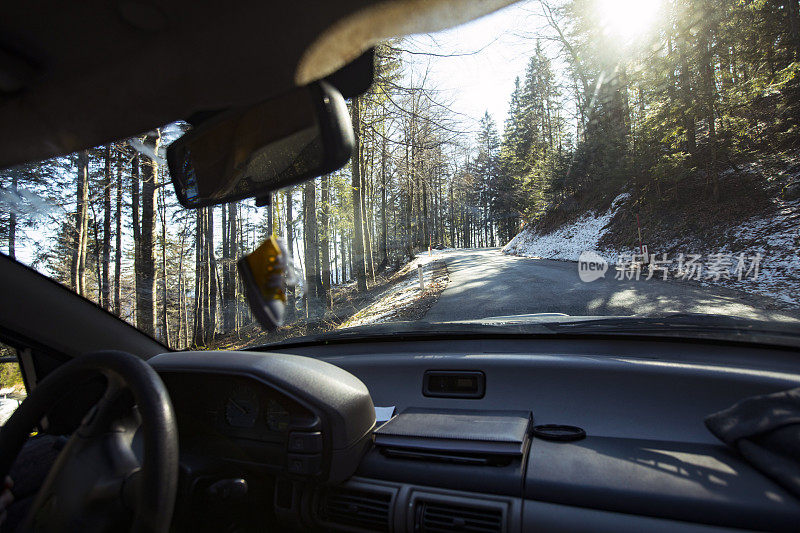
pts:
pixel 247 152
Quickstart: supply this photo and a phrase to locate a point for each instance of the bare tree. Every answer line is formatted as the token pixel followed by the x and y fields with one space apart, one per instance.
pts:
pixel 80 236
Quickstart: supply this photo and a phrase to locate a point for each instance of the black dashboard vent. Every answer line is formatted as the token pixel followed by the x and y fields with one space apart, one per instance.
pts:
pixel 356 508
pixel 441 517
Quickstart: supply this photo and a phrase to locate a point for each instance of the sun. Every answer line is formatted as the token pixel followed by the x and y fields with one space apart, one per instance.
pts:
pixel 627 19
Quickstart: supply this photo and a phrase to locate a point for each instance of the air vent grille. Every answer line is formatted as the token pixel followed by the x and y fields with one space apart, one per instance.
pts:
pixel 439 517
pixel 356 508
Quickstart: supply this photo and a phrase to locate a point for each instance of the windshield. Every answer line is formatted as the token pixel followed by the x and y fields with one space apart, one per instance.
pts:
pixel 556 159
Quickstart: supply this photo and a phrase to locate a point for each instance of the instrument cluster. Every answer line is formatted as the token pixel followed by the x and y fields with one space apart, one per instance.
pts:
pixel 233 407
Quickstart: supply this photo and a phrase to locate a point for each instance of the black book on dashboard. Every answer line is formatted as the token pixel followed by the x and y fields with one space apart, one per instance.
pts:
pixel 458 431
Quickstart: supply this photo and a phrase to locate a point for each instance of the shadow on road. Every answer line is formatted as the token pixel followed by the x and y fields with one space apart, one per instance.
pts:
pixel 485 282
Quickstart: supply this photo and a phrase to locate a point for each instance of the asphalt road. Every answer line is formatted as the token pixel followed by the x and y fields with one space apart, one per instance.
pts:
pixel 485 283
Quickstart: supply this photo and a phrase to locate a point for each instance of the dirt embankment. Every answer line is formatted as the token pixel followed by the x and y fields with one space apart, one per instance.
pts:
pixel 750 216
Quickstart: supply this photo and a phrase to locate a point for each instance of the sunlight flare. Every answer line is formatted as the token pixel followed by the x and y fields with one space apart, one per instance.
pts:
pixel 627 19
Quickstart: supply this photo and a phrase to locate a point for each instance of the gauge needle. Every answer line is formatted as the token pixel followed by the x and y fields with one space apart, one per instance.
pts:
pixel 239 407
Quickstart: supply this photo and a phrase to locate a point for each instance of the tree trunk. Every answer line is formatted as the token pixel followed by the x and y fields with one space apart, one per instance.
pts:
pixel 106 281
pixel 226 261
pixel 118 243
pixel 270 226
pixel 325 244
pixel 97 261
pixel 181 330
pixel 366 232
pixel 137 230
pixel 343 253
pixel 452 217
pixel 145 308
pixel 686 96
pixel 78 266
pixel 12 222
pixel 313 282
pixel 164 321
pixel 233 248
pixel 229 268
pixel 384 225
pixel 198 336
pixel 710 94
pixel 211 312
pixel 426 232
pixel 336 274
pixel 358 239
pixel 290 291
pixel 793 11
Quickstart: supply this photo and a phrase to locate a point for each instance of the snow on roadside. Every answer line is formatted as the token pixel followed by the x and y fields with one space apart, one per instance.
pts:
pixel 568 241
pixel 777 240
pixel 422 258
pixel 403 295
pixel 387 305
pixel 7 408
pixel 774 238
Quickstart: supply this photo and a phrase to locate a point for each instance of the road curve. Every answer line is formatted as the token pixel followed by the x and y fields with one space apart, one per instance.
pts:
pixel 485 282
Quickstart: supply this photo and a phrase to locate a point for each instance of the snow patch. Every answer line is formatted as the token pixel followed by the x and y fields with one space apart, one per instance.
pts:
pixel 774 237
pixel 8 405
pixel 388 305
pixel 568 241
pixel 777 239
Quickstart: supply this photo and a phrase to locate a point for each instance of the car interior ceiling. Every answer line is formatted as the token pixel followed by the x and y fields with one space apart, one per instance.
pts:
pixel 134 66
pixel 577 432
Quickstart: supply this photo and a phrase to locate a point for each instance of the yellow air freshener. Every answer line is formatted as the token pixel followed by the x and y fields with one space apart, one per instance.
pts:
pixel 263 274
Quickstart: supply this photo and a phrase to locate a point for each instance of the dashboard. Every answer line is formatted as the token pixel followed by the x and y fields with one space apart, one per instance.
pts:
pixel 647 462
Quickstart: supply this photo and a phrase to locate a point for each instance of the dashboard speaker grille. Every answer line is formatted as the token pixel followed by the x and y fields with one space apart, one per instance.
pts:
pixel 440 517
pixel 356 508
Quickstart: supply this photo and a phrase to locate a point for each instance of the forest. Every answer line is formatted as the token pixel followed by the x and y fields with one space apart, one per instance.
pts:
pixel 673 112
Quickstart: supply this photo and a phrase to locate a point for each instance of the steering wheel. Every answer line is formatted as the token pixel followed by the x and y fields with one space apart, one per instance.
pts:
pixel 98 482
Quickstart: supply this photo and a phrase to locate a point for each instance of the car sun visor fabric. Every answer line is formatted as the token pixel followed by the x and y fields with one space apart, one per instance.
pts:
pixel 457 431
pixel 766 431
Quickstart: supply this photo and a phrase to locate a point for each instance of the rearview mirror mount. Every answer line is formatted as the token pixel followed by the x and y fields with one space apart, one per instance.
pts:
pixel 249 152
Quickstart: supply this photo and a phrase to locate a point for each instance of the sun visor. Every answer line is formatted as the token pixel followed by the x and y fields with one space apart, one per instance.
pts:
pixel 352 35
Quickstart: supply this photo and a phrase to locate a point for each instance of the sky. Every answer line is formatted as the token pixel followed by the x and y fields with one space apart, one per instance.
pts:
pixel 493 50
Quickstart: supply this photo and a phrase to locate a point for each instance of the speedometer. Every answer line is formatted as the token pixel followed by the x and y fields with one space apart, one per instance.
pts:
pixel 241 408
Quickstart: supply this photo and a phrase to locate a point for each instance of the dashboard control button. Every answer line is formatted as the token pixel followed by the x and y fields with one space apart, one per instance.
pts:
pixel 305 465
pixel 305 442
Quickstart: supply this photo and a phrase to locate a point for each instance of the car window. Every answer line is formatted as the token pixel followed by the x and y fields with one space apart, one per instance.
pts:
pixel 12 387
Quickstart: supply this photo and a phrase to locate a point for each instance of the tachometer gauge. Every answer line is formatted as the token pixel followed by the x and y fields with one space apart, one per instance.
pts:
pixel 241 408
pixel 277 417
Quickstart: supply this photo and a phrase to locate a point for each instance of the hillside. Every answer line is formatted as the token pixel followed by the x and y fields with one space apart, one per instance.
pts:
pixel 760 216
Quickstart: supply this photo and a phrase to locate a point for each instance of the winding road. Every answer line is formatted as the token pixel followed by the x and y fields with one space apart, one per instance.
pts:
pixel 485 282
